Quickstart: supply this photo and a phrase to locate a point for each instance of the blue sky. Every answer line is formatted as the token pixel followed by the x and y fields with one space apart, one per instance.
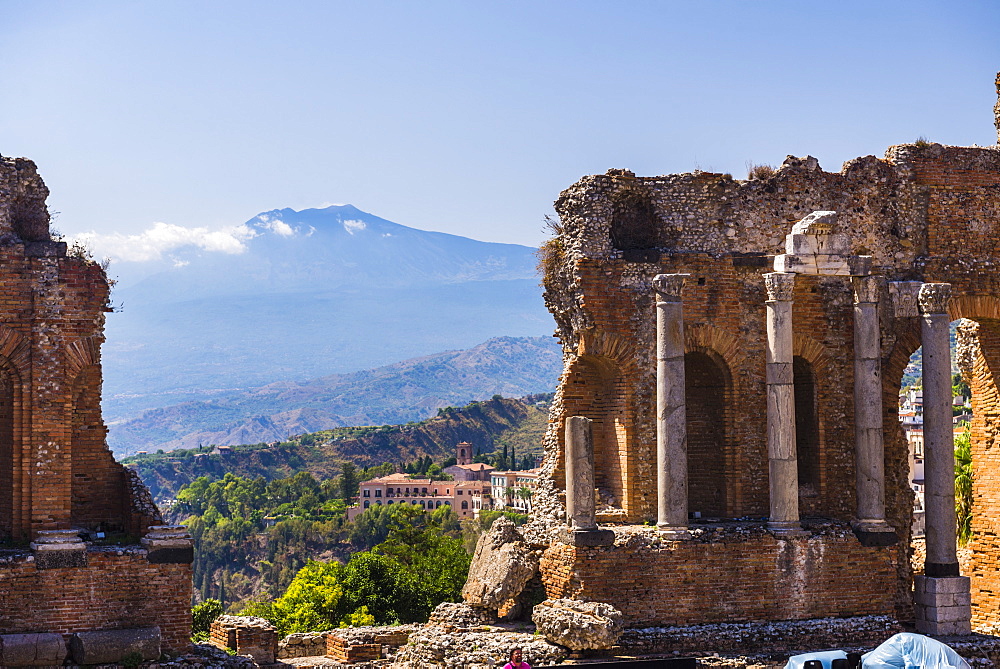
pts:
pixel 462 117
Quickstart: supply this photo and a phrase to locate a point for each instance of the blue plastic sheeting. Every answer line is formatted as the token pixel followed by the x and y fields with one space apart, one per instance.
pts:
pixel 826 657
pixel 913 651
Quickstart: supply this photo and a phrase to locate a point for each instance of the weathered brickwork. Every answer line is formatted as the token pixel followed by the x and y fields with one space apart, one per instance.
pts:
pixel 925 212
pixel 118 589
pixel 754 577
pixel 56 470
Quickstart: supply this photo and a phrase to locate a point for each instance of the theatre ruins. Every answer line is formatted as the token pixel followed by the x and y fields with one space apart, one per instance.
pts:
pixel 724 444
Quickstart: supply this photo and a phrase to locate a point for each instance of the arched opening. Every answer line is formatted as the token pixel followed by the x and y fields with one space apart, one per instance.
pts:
pixel 596 389
pixel 706 387
pixel 807 435
pixel 7 456
pixel 634 222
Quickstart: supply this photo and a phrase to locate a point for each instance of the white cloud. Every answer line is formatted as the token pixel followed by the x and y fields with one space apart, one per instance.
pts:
pixel 277 226
pixel 163 238
pixel 353 226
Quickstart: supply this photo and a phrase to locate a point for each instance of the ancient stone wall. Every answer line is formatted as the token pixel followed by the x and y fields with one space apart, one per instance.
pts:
pixel 721 232
pixel 117 589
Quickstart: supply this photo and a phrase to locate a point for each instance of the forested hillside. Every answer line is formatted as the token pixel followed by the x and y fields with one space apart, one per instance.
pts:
pixel 252 537
pixel 492 425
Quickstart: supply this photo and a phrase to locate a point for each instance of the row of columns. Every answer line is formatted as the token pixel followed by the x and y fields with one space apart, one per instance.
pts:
pixel 672 504
pixel 941 596
pixel 671 421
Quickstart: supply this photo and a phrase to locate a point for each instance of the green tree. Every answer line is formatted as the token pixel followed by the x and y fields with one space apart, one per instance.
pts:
pixel 202 616
pixel 348 481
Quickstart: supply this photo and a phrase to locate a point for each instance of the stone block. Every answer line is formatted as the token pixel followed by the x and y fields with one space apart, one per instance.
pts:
pixel 501 568
pixel 32 650
pixel 112 646
pixel 944 628
pixel 59 549
pixel 578 625
pixel 948 584
pixel 45 249
pixel 943 614
pixel 587 538
pixel 874 538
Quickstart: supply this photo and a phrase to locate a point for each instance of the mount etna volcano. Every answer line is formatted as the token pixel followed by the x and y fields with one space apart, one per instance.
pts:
pixel 312 293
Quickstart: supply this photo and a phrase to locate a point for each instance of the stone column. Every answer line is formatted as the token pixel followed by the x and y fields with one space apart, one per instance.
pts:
pixel 870 526
pixel 783 466
pixel 671 408
pixel 941 596
pixel 580 509
pixel 581 515
pixel 939 439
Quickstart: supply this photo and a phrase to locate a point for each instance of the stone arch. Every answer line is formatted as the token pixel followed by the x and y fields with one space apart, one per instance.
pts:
pixel 713 458
pixel 708 392
pixel 597 387
pixel 82 352
pixel 809 366
pixel 15 479
pixel 978 357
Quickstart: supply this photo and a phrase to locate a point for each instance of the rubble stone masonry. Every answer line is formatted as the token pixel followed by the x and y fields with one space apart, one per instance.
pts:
pixel 924 212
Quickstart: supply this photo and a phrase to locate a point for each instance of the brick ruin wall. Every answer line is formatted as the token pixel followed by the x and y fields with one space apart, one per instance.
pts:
pixel 56 470
pixel 924 212
pixel 118 589
pixel 763 579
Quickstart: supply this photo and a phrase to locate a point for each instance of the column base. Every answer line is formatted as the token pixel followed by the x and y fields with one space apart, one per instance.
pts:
pixel 943 606
pixel 673 532
pixel 941 569
pixel 786 529
pixel 585 538
pixel 875 533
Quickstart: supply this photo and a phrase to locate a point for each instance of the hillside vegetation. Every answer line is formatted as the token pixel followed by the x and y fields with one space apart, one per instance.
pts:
pixel 490 426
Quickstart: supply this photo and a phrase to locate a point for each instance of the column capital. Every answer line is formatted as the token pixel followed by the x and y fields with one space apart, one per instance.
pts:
pixel 668 286
pixel 934 298
pixel 904 298
pixel 867 289
pixel 780 286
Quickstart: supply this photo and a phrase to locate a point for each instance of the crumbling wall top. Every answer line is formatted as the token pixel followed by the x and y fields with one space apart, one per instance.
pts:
pixel 996 110
pixel 23 214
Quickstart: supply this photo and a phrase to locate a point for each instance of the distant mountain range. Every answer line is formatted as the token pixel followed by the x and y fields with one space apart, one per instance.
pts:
pixel 316 292
pixel 411 390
